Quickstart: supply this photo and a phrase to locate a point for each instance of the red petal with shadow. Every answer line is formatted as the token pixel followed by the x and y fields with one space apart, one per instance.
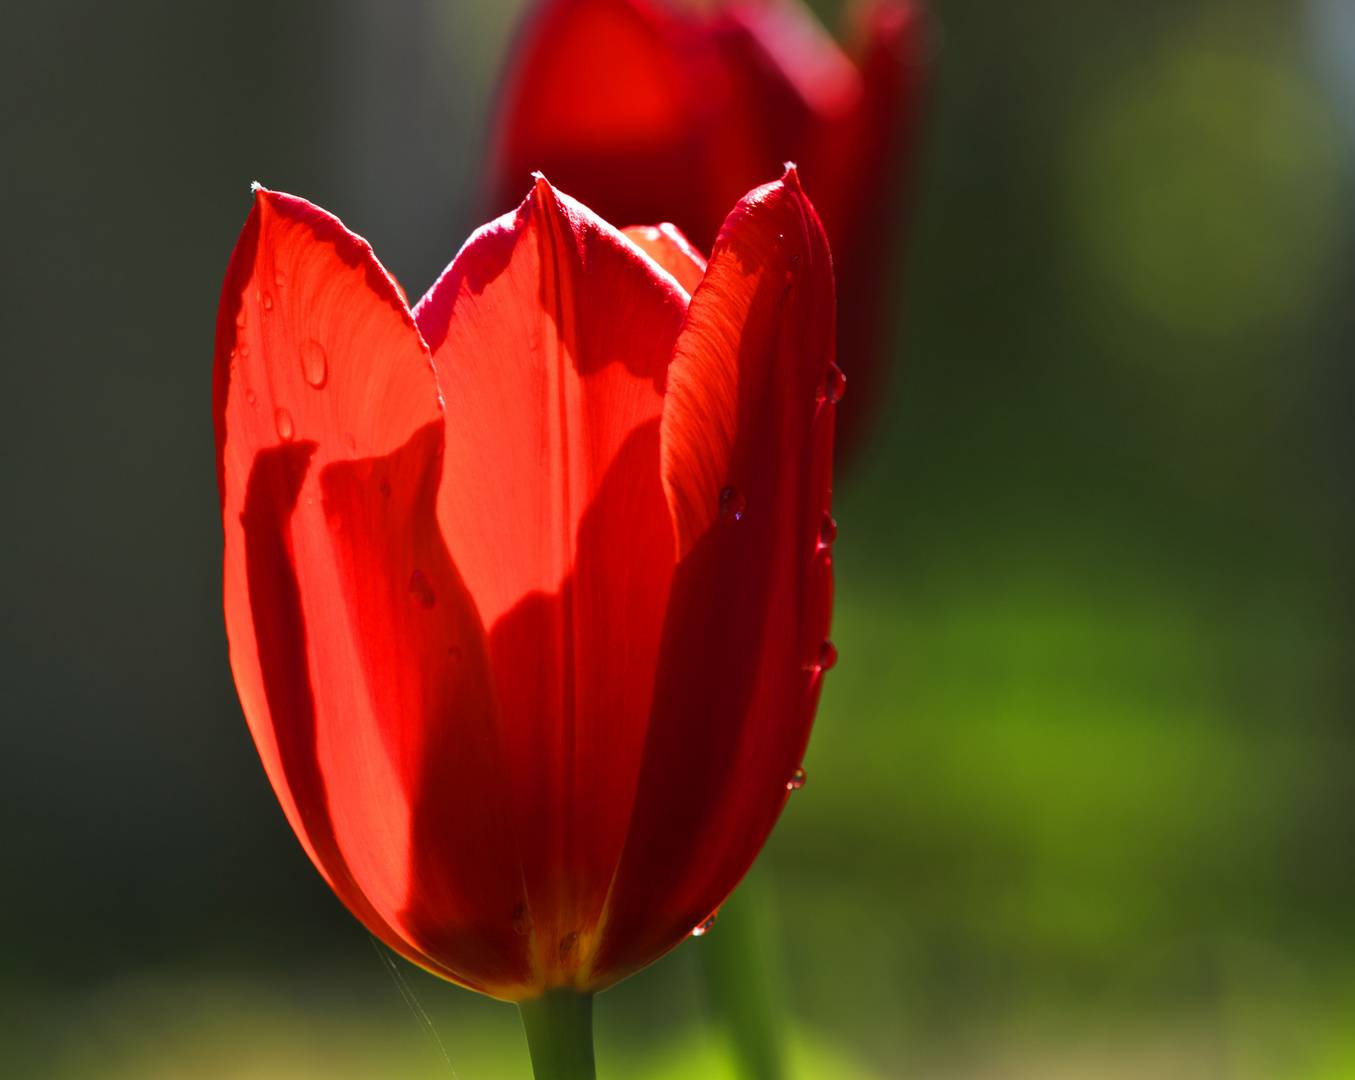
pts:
pixel 551 336
pixel 734 696
pixel 328 453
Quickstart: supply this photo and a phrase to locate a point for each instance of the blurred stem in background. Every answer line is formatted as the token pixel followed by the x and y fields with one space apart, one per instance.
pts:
pixel 734 967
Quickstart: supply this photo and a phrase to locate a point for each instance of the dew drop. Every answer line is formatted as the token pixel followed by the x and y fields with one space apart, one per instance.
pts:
pixel 421 590
pixel 244 350
pixel 250 396
pixel 267 300
pixel 283 419
pixel 834 385
pixel 568 944
pixel 732 503
pixel 240 317
pixel 522 920
pixel 385 487
pixel 825 660
pixel 796 781
pixel 827 529
pixel 454 652
pixel 703 927
pixel 314 363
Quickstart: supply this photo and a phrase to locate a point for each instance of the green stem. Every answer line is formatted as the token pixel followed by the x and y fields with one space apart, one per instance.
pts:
pixel 559 1026
pixel 734 963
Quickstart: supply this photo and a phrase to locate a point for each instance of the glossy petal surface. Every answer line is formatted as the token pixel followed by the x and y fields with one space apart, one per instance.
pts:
pixel 552 336
pixel 738 676
pixel 353 640
pixel 666 245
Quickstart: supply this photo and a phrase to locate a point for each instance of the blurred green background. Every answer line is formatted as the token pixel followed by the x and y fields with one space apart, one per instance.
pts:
pixel 1081 796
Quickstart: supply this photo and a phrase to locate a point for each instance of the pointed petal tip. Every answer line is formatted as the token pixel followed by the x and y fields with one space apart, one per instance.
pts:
pixel 543 196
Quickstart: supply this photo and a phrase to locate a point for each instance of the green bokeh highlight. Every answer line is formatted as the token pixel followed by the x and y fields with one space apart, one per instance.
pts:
pixel 1207 186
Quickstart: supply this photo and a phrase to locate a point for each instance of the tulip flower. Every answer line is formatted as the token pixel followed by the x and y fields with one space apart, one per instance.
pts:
pixel 652 111
pixel 528 587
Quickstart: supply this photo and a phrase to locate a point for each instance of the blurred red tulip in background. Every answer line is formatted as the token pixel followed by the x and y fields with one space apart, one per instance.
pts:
pixel 657 112
pixel 528 588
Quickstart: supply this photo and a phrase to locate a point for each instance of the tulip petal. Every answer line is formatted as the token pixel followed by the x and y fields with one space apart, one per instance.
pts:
pixel 665 244
pixel 551 334
pixel 854 167
pixel 746 439
pixel 344 610
pixel 791 43
pixel 744 86
pixel 592 82
pixel 631 106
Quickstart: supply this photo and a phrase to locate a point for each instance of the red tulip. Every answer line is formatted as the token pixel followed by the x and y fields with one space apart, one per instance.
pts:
pixel 527 588
pixel 649 112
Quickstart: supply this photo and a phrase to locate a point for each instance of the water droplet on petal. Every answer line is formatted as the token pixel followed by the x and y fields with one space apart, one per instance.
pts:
pixel 314 363
pixel 250 396
pixel 703 927
pixel 827 529
pixel 240 317
pixel 827 655
pixel 385 487
pixel 522 920
pixel 267 300
pixel 796 781
pixel 421 589
pixel 568 943
pixel 732 503
pixel 244 350
pixel 834 385
pixel 283 419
